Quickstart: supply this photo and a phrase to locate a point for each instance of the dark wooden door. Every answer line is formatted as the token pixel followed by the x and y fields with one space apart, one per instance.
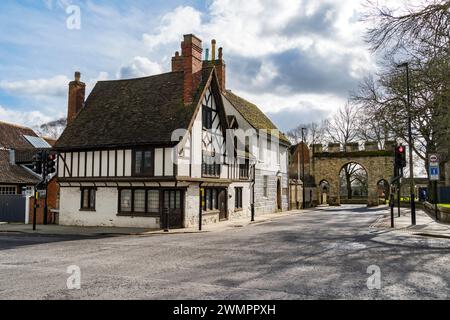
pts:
pixel 223 204
pixel 173 206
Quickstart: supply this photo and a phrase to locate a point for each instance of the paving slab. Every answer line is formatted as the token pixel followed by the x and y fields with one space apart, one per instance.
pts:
pixel 425 224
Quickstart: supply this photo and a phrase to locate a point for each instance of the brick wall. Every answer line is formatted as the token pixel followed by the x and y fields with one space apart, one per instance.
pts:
pixel 52 203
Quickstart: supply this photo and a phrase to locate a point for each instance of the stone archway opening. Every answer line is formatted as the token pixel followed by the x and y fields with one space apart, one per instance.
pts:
pixel 324 189
pixel 353 184
pixel 383 190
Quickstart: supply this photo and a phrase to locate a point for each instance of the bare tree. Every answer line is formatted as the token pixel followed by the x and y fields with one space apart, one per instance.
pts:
pixel 420 35
pixel 313 134
pixel 343 128
pixel 52 129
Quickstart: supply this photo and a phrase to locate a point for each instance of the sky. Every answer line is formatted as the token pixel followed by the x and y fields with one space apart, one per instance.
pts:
pixel 296 59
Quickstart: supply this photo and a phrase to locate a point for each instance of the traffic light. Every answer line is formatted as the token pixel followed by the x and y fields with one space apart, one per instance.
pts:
pixel 50 164
pixel 37 163
pixel 400 156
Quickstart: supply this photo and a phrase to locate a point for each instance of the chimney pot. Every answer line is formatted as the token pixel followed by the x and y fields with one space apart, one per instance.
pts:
pixel 220 53
pixel 77 76
pixel 213 48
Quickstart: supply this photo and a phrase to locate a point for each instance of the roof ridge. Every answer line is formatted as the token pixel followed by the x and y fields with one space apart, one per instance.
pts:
pixel 15 125
pixel 140 78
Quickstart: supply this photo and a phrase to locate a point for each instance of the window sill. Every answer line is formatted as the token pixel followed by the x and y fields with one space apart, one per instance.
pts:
pixel 238 210
pixel 87 210
pixel 139 215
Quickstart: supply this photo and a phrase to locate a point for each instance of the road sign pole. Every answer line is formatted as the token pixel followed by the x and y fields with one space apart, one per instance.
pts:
pixel 436 200
pixel 391 204
pixel 36 198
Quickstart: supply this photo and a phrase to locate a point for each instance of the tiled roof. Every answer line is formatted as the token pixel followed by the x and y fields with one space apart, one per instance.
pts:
pixel 142 111
pixel 252 114
pixel 14 174
pixel 12 136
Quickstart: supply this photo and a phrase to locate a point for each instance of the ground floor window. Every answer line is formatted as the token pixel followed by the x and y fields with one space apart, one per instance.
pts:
pixel 8 190
pixel 88 198
pixel 211 199
pixel 238 198
pixel 139 201
pixel 266 186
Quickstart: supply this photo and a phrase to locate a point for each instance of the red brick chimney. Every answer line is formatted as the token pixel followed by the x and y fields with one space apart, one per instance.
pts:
pixel 190 62
pixel 221 70
pixel 77 91
pixel 177 62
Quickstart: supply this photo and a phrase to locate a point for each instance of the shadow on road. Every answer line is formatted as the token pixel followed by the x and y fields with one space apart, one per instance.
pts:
pixel 10 241
pixel 348 209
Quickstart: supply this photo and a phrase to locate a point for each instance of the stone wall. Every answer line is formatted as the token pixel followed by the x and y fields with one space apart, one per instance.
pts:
pixel 378 164
pixel 443 213
pixel 268 204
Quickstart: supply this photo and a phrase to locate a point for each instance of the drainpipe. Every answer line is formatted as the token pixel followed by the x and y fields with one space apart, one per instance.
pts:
pixel 253 193
pixel 200 207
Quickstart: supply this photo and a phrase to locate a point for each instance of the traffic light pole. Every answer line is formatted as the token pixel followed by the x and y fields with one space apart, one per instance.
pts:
pixel 410 142
pixel 36 198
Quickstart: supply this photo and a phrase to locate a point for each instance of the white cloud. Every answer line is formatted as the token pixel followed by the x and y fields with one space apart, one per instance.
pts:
pixel 173 25
pixel 24 118
pixel 55 86
pixel 139 67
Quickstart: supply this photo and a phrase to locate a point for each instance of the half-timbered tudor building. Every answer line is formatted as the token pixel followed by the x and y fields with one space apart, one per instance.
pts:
pixel 176 144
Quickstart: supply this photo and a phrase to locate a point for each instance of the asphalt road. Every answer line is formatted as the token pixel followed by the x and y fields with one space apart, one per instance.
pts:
pixel 323 254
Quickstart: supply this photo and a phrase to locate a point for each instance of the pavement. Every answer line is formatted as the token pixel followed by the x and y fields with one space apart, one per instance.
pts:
pixel 328 253
pixel 56 230
pixel 425 224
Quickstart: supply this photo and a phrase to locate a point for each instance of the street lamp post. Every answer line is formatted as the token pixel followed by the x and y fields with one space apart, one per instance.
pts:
pixel 303 168
pixel 410 142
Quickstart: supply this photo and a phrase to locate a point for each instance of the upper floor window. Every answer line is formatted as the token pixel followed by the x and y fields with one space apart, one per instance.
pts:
pixel 143 162
pixel 210 168
pixel 207 117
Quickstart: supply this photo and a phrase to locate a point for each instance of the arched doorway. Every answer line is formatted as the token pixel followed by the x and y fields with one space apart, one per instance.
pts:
pixel 279 203
pixel 324 189
pixel 383 191
pixel 353 184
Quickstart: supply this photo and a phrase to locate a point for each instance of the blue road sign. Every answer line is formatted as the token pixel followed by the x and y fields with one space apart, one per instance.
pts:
pixel 434 173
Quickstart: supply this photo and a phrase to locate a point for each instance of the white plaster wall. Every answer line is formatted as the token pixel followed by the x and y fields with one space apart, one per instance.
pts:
pixel 196 146
pixel 60 167
pixel 128 164
pixel 81 159
pixel 112 163
pixel 168 165
pixel 105 214
pixel 192 205
pixel 120 157
pixel 96 164
pixel 75 164
pixel 246 200
pixel 68 161
pixel 89 164
pixel 159 162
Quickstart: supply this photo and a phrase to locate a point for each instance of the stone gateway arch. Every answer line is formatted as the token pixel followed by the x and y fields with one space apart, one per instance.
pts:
pixel 327 165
